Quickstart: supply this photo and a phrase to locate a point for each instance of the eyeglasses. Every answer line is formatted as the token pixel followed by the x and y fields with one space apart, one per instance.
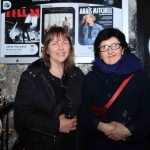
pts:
pixel 113 46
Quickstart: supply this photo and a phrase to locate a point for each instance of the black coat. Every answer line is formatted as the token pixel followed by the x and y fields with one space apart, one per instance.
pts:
pixel 35 102
pixel 134 99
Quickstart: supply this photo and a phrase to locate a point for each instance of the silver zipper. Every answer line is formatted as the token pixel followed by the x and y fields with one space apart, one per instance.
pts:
pixel 54 94
pixel 48 83
pixel 69 99
pixel 44 132
pixel 66 88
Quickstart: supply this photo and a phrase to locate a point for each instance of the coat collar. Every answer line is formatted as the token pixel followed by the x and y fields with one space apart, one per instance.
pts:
pixel 39 66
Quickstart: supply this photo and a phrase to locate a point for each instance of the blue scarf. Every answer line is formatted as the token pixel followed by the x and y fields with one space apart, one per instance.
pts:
pixel 127 64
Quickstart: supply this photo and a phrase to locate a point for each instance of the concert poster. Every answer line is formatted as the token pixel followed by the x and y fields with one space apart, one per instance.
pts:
pixel 24 25
pixel 58 16
pixel 22 31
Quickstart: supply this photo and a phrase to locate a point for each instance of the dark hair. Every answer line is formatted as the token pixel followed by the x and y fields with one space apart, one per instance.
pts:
pixel 66 18
pixel 50 35
pixel 106 34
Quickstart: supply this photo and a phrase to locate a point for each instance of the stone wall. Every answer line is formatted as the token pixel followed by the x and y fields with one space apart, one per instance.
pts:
pixel 10 74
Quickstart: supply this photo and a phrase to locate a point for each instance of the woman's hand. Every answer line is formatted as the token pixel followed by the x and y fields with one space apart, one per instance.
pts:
pixel 120 132
pixel 67 125
pixel 104 127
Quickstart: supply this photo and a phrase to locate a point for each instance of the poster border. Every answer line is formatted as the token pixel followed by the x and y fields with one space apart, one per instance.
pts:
pixel 78 59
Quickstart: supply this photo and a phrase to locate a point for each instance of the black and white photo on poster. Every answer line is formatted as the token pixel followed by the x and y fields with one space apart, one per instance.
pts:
pixel 58 16
pixel 22 30
pixel 12 4
pixel 92 20
pixel 62 13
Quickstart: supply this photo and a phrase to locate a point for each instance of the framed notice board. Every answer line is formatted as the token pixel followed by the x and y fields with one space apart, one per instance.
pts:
pixel 24 23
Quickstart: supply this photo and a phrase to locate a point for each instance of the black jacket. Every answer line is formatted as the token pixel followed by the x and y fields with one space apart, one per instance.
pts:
pixel 35 102
pixel 131 107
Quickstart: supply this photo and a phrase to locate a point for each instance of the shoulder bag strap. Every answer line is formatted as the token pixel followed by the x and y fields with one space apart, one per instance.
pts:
pixel 118 91
pixel 58 107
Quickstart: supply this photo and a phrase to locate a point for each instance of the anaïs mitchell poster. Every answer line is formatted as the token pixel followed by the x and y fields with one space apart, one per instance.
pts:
pixel 92 20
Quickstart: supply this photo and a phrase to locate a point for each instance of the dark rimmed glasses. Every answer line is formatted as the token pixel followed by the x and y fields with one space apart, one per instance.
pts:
pixel 113 46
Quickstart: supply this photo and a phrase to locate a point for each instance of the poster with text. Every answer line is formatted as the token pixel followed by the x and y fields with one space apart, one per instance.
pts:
pixel 92 20
pixel 24 25
pixel 58 16
pixel 22 31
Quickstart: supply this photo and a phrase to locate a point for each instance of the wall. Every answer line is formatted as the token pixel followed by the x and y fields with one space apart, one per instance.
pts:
pixel 10 74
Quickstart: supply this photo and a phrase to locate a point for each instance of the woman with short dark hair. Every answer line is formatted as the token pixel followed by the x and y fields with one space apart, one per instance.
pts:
pixel 114 119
